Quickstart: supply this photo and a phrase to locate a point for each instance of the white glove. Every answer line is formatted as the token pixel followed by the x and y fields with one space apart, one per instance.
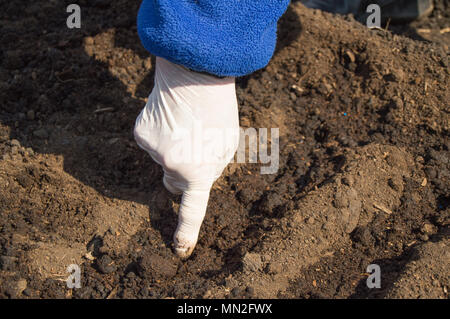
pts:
pixel 190 126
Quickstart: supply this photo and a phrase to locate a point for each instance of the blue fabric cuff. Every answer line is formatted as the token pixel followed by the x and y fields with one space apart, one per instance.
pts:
pixel 221 37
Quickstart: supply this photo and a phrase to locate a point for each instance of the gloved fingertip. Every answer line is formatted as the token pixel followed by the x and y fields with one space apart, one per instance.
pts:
pixel 183 251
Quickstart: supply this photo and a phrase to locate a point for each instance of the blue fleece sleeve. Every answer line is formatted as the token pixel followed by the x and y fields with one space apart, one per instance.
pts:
pixel 222 37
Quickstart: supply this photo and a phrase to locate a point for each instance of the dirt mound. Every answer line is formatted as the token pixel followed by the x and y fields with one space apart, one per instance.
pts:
pixel 363 174
pixel 49 215
pixel 371 183
pixel 427 275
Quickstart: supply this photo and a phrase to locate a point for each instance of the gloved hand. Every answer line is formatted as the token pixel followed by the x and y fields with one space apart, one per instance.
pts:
pixel 190 126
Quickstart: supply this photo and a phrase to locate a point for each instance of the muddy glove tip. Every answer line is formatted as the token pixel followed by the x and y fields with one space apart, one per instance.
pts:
pixel 183 252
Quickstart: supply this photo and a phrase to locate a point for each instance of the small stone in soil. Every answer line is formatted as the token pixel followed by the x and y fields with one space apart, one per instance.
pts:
pixel 347 180
pixel 252 262
pixel 236 292
pixel 7 263
pixel 14 142
pixel 31 115
pixel 105 264
pixel 41 133
pixel 15 288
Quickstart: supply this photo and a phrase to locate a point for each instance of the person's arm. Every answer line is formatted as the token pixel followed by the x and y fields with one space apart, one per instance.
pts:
pixel 190 125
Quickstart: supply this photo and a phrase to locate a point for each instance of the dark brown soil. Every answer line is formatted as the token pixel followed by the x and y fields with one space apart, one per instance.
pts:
pixel 363 179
